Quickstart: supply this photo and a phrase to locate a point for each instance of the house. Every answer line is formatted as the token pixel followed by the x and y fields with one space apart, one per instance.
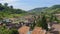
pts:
pixel 56 27
pixel 1 23
pixel 38 30
pixel 25 23
pixel 23 30
pixel 58 16
pixel 6 20
pixel 14 20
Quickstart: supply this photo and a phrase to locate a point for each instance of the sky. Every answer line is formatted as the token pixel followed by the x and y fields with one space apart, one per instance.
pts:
pixel 30 4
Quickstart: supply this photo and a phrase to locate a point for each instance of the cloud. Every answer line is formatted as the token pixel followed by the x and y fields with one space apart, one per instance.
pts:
pixel 30 4
pixel 15 3
pixel 22 4
pixel 8 1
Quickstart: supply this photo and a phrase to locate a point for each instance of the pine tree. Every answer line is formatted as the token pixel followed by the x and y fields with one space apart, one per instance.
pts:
pixel 34 23
pixel 41 22
pixel 44 23
pixel 51 18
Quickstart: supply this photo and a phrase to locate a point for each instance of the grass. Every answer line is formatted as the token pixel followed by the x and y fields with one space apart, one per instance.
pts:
pixel 12 15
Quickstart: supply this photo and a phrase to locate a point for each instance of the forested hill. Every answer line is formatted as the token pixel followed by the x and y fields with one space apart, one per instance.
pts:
pixel 52 9
pixel 6 11
pixel 38 9
pixel 10 9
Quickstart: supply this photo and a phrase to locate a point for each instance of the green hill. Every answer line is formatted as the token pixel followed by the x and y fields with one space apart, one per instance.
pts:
pixel 10 11
pixel 38 9
pixel 52 9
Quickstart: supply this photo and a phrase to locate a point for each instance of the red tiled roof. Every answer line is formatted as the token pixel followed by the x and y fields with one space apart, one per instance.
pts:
pixel 23 30
pixel 38 30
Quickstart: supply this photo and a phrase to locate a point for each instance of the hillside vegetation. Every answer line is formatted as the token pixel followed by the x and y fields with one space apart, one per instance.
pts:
pixel 53 9
pixel 9 11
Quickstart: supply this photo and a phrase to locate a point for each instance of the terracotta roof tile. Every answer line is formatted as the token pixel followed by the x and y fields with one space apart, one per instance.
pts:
pixel 23 30
pixel 38 30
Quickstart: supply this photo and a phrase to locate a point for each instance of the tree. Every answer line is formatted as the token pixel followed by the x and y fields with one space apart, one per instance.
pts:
pixel 55 19
pixel 1 7
pixel 5 4
pixel 6 11
pixel 11 7
pixel 34 23
pixel 14 31
pixel 0 4
pixel 41 22
pixel 44 23
pixel 51 18
pixel 4 30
